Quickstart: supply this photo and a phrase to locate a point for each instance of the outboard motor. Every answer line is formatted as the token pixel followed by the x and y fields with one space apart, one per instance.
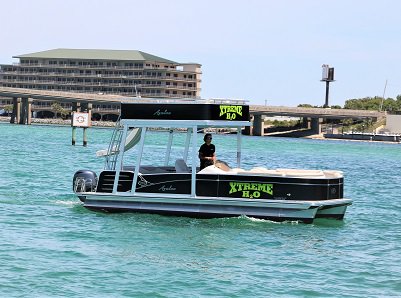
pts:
pixel 84 181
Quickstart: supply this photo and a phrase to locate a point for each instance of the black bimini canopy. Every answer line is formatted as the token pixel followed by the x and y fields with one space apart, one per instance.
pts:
pixel 195 111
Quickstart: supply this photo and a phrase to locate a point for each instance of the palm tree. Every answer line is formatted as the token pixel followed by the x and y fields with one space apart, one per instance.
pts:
pixel 58 109
pixel 8 109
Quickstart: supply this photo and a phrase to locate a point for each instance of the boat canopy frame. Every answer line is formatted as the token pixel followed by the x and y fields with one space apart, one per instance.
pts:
pixel 192 126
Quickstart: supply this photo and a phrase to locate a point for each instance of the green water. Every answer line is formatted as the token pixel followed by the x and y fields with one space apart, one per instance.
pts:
pixel 50 246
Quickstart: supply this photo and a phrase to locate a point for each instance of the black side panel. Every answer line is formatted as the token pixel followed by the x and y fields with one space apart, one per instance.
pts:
pixel 272 188
pixel 174 183
pixel 106 181
pixel 336 189
pixel 161 111
pixel 232 186
pixel 207 185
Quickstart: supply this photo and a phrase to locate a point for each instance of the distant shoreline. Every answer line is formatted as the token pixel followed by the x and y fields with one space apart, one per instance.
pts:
pixel 111 124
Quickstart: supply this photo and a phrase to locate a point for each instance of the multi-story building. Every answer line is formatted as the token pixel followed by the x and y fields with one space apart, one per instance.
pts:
pixel 122 72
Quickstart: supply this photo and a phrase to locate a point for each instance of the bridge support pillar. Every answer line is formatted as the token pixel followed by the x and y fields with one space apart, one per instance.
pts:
pixel 90 110
pixel 76 106
pixel 248 129
pixel 306 122
pixel 24 111
pixel 14 117
pixel 316 125
pixel 16 114
pixel 29 111
pixel 258 125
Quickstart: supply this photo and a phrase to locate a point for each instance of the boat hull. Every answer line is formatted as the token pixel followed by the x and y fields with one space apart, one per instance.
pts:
pixel 201 207
pixel 335 212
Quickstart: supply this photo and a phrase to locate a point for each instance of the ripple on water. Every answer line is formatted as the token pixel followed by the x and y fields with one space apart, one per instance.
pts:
pixel 52 246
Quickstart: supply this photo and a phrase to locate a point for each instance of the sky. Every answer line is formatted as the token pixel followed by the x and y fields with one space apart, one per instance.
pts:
pixel 267 52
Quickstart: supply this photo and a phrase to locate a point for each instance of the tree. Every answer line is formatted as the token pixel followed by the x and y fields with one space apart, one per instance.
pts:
pixel 367 103
pixel 305 105
pixel 8 109
pixel 58 109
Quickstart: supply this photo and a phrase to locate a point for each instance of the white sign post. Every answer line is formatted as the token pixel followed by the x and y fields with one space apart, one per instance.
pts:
pixel 80 119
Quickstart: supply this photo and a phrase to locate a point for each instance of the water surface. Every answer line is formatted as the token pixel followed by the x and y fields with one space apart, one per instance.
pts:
pixel 53 247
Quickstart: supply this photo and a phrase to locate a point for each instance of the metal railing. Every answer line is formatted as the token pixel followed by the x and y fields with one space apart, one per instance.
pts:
pixel 127 67
pixel 94 75
pixel 99 84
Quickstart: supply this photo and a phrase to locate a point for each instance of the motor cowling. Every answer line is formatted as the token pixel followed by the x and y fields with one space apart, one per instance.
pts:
pixel 84 181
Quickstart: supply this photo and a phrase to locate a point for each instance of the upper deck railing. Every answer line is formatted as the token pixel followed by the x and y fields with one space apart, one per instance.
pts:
pixel 107 67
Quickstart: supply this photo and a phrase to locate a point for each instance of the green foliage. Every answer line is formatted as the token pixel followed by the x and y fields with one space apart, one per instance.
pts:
pixel 58 109
pixel 305 105
pixel 8 108
pixel 374 103
pixel 366 103
pixel 282 123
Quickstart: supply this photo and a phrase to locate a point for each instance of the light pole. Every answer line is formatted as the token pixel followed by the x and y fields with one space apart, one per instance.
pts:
pixel 327 76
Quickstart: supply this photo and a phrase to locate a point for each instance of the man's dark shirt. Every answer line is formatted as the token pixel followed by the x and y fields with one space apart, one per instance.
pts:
pixel 207 151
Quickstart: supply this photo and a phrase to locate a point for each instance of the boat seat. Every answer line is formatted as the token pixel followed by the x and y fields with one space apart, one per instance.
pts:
pixel 212 169
pixel 181 166
pixel 301 173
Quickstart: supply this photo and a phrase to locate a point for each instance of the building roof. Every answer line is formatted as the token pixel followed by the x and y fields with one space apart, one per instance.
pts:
pixel 96 54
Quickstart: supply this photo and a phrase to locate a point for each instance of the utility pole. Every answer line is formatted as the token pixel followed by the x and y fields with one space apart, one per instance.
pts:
pixel 384 93
pixel 327 76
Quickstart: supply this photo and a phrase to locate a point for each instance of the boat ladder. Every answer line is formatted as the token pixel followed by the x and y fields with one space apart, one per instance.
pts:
pixel 114 147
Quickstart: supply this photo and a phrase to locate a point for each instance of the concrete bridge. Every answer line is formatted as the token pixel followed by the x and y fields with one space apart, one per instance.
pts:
pixel 313 116
pixel 23 98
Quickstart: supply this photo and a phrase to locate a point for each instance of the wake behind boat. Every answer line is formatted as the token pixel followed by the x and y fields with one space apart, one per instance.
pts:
pixel 178 187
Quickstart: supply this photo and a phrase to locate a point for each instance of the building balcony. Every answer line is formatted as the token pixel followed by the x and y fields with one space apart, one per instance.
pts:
pixel 98 84
pixel 93 75
pixel 104 67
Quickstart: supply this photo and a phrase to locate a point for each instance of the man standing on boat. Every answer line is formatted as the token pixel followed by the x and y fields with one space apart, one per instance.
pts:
pixel 207 152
